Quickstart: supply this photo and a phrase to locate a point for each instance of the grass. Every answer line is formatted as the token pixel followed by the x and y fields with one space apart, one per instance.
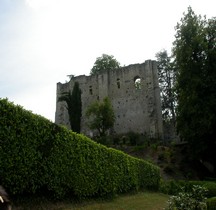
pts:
pixel 139 201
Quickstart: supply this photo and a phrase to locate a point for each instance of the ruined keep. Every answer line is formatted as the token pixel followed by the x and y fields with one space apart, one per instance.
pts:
pixel 133 91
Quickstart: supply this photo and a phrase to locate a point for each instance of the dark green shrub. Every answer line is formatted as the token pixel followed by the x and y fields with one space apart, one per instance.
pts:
pixel 161 157
pixel 211 187
pixel 193 200
pixel 171 187
pixel 168 169
pixel 139 148
pixel 173 160
pixel 154 147
pixel 36 154
pixel 134 138
pixel 211 203
pixel 116 139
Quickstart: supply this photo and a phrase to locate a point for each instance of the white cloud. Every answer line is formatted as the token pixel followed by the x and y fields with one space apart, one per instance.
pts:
pixel 38 4
pixel 45 40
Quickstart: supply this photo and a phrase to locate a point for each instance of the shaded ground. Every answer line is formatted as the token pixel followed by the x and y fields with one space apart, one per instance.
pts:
pixel 171 160
pixel 138 201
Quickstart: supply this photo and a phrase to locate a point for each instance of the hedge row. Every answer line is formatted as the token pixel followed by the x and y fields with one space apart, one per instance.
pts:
pixel 173 187
pixel 211 203
pixel 37 154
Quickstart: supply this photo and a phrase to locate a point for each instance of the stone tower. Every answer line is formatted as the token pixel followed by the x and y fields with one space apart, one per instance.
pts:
pixel 133 91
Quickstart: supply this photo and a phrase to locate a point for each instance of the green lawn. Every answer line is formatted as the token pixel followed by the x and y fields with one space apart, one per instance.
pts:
pixel 139 201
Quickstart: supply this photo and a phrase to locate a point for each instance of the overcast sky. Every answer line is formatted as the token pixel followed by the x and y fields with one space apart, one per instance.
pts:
pixel 43 41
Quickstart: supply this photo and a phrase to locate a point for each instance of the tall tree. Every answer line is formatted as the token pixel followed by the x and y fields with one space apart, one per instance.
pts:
pixel 195 54
pixel 105 62
pixel 102 116
pixel 166 74
pixel 74 107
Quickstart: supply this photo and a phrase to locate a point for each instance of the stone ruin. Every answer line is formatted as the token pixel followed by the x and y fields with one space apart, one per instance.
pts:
pixel 133 91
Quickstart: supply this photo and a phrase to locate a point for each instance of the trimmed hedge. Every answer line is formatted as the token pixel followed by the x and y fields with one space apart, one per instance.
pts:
pixel 211 203
pixel 37 154
pixel 173 187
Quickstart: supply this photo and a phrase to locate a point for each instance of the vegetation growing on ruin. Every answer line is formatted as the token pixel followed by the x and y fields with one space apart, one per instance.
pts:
pixel 105 62
pixel 74 107
pixel 167 79
pixel 101 115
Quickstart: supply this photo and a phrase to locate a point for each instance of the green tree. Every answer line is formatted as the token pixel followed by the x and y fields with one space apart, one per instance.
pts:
pixel 74 107
pixel 101 115
pixel 195 58
pixel 105 62
pixel 166 75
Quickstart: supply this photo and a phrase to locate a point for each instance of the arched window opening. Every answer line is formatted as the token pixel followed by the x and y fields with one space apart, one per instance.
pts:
pixel 137 83
pixel 90 90
pixel 118 83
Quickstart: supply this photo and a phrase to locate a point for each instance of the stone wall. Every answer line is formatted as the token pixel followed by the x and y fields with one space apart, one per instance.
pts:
pixel 137 107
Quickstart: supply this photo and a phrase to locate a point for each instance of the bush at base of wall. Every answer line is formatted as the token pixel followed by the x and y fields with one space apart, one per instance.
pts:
pixel 37 154
pixel 211 203
pixel 173 187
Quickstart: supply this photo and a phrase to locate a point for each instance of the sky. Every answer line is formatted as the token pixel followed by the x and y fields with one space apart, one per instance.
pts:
pixel 43 41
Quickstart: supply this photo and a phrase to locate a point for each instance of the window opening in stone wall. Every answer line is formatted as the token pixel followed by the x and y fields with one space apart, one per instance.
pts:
pixel 90 90
pixel 137 83
pixel 118 83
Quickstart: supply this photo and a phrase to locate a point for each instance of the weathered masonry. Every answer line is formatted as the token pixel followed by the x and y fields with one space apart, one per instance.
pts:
pixel 134 93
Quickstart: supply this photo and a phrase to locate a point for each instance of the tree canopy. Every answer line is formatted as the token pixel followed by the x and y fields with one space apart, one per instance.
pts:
pixel 102 116
pixel 195 57
pixel 167 76
pixel 74 107
pixel 105 62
